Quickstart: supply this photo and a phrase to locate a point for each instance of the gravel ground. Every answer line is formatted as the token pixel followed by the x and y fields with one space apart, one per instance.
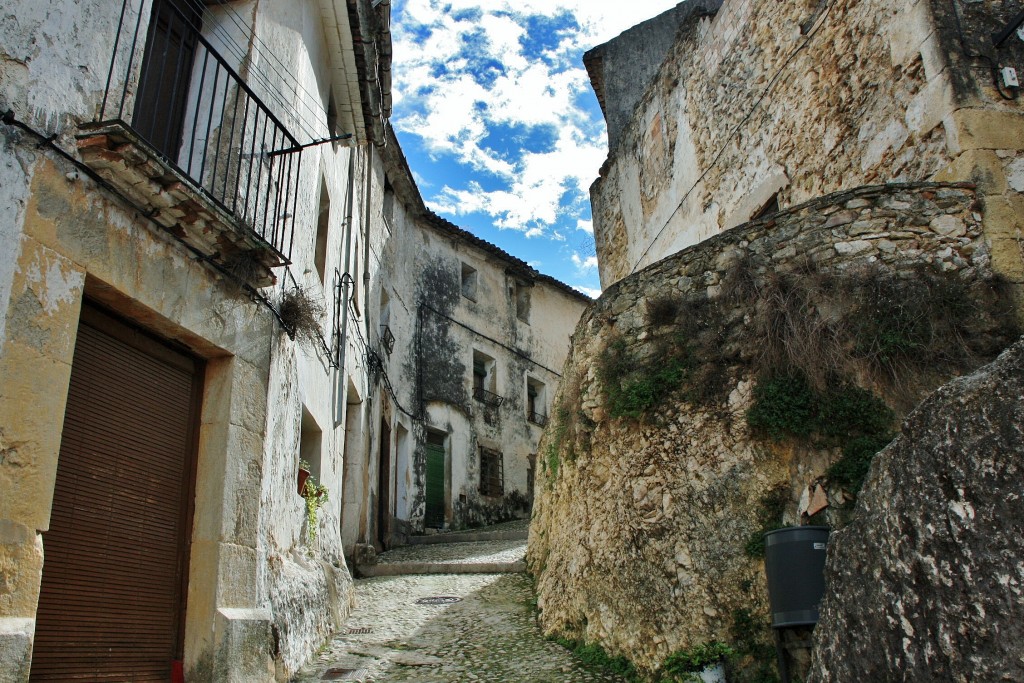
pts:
pixel 490 635
pixel 477 552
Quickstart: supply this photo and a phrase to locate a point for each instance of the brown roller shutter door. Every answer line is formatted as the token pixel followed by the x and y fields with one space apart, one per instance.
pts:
pixel 111 606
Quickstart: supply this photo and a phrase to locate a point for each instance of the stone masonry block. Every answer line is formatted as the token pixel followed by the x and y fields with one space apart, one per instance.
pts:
pixel 16 649
pixel 985 129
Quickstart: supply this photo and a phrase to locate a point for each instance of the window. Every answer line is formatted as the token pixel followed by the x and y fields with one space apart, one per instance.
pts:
pixel 536 402
pixel 522 295
pixel 310 443
pixel 171 45
pixel 468 282
pixel 387 338
pixel 485 381
pixel 770 207
pixel 322 226
pixel 492 478
pixel 389 206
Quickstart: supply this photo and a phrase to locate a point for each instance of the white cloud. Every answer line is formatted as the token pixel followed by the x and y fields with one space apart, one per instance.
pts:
pixel 585 225
pixel 589 291
pixel 584 263
pixel 470 74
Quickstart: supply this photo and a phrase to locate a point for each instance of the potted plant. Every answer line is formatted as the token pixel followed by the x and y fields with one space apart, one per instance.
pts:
pixel 702 664
pixel 303 475
pixel 316 496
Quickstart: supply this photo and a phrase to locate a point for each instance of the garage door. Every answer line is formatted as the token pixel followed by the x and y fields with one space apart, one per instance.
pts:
pixel 111 606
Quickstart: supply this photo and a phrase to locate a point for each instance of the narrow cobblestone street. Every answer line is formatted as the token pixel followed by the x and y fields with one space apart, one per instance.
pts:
pixel 489 634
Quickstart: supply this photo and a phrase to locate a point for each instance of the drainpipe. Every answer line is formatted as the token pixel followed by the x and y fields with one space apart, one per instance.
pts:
pixel 350 199
pixel 366 241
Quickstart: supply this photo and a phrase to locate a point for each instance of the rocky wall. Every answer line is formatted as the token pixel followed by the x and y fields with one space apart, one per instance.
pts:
pixel 926 583
pixel 796 100
pixel 653 482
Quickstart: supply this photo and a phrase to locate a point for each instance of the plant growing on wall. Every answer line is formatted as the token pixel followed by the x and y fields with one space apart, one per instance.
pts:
pixel 316 496
pixel 686 665
pixel 300 314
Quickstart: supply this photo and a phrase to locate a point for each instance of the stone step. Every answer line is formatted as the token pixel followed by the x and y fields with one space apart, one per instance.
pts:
pixel 405 568
pixel 469 537
pixel 498 556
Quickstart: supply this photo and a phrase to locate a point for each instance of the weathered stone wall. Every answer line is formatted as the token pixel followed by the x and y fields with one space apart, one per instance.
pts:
pixel 639 525
pixel 797 100
pixel 261 595
pixel 926 583
pixel 440 326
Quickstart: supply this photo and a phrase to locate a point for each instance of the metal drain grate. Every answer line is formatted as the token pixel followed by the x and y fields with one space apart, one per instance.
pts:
pixel 343 675
pixel 359 631
pixel 438 600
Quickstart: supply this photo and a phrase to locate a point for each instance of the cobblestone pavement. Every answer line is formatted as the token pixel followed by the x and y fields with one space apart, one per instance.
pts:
pixel 475 552
pixel 490 635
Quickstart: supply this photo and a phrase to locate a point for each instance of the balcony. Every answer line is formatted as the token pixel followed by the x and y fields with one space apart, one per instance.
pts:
pixel 181 135
pixel 537 418
pixel 487 398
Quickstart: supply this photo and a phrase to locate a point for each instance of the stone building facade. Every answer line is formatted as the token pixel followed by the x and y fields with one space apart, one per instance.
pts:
pixel 757 106
pixel 784 180
pixel 477 341
pixel 211 273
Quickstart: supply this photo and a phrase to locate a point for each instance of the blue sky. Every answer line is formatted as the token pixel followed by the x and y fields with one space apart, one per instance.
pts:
pixel 499 123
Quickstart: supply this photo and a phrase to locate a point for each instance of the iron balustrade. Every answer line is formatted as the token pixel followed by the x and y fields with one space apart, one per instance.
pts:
pixel 174 91
pixel 487 398
pixel 537 418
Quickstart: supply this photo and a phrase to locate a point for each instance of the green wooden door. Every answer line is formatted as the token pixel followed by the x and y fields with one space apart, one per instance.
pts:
pixel 435 486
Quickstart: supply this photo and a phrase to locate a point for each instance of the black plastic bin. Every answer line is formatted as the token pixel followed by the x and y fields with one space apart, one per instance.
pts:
pixel 794 560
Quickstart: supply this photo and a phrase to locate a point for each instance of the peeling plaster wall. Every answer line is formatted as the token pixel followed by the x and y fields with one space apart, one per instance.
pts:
pixel 802 99
pixel 262 597
pixel 437 329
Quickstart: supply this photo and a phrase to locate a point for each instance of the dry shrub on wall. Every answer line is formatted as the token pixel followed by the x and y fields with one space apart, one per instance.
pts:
pixel 247 266
pixel 301 314
pixel 902 332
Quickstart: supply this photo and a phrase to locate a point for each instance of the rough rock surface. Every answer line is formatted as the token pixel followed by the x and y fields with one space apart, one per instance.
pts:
pixel 640 526
pixel 928 582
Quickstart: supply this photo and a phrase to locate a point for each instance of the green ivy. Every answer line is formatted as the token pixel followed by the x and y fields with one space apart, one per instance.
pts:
pixel 685 665
pixel 851 470
pixel 784 405
pixel 593 655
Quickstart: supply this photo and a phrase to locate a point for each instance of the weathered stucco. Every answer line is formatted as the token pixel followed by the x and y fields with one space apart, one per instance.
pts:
pixel 796 100
pixel 640 529
pixel 261 596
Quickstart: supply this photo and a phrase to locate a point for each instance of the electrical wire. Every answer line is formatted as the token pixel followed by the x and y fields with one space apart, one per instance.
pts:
pixel 757 104
pixel 370 353
pixel 993 66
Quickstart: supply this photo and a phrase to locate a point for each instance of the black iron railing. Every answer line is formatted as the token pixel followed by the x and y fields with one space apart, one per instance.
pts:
pixel 537 418
pixel 387 339
pixel 487 398
pixel 179 96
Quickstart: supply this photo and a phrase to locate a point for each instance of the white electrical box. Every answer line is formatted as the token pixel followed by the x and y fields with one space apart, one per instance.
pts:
pixel 1009 75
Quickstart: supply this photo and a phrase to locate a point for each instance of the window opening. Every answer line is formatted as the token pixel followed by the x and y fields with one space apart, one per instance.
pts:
pixel 485 381
pixel 770 207
pixel 492 479
pixel 322 227
pixel 469 277
pixel 536 403
pixel 522 294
